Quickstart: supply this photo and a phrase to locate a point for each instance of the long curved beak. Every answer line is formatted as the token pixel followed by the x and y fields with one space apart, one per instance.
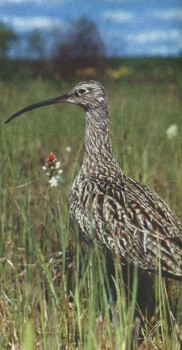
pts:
pixel 60 99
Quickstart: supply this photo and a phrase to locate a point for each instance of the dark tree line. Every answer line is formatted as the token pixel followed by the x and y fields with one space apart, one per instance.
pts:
pixel 61 54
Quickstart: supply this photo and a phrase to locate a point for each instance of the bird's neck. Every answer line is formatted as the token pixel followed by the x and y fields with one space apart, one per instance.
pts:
pixel 98 147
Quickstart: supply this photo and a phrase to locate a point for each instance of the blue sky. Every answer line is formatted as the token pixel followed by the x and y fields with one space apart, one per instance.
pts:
pixel 132 27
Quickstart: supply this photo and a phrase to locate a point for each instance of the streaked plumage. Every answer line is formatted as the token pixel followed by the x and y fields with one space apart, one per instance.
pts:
pixel 127 218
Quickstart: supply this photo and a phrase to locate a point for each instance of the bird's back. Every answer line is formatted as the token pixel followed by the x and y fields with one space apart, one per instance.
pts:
pixel 127 218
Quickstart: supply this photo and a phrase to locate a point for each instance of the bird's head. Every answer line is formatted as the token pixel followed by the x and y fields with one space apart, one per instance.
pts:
pixel 88 94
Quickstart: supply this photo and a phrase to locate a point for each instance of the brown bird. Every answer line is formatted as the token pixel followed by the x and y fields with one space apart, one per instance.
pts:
pixel 109 208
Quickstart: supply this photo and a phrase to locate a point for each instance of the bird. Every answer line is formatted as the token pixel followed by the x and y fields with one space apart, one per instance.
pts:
pixel 109 208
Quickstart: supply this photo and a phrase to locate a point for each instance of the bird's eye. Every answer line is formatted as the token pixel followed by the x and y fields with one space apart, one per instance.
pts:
pixel 82 91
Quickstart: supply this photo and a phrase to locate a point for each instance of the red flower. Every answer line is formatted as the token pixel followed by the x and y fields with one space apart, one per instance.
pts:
pixel 51 159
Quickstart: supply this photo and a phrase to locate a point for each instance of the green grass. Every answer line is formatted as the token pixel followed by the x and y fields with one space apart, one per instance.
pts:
pixel 55 292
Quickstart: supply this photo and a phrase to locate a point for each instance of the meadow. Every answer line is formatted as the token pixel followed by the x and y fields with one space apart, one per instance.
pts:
pixel 54 290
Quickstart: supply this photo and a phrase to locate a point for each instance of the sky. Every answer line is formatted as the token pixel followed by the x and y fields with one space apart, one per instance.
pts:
pixel 127 27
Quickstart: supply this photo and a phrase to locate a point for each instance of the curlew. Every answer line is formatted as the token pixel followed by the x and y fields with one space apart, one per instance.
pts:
pixel 127 218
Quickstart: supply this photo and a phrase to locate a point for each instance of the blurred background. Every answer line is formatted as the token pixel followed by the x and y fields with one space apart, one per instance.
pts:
pixel 63 39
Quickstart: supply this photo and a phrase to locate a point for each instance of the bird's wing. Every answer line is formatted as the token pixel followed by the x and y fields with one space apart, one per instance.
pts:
pixel 140 206
pixel 135 222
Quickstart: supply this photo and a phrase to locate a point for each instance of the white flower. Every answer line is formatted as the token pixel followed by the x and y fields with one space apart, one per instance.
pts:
pixel 44 167
pixel 53 181
pixel 60 171
pixel 57 165
pixel 68 149
pixel 172 131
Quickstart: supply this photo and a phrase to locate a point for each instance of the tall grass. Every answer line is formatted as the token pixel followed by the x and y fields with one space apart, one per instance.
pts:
pixel 56 293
